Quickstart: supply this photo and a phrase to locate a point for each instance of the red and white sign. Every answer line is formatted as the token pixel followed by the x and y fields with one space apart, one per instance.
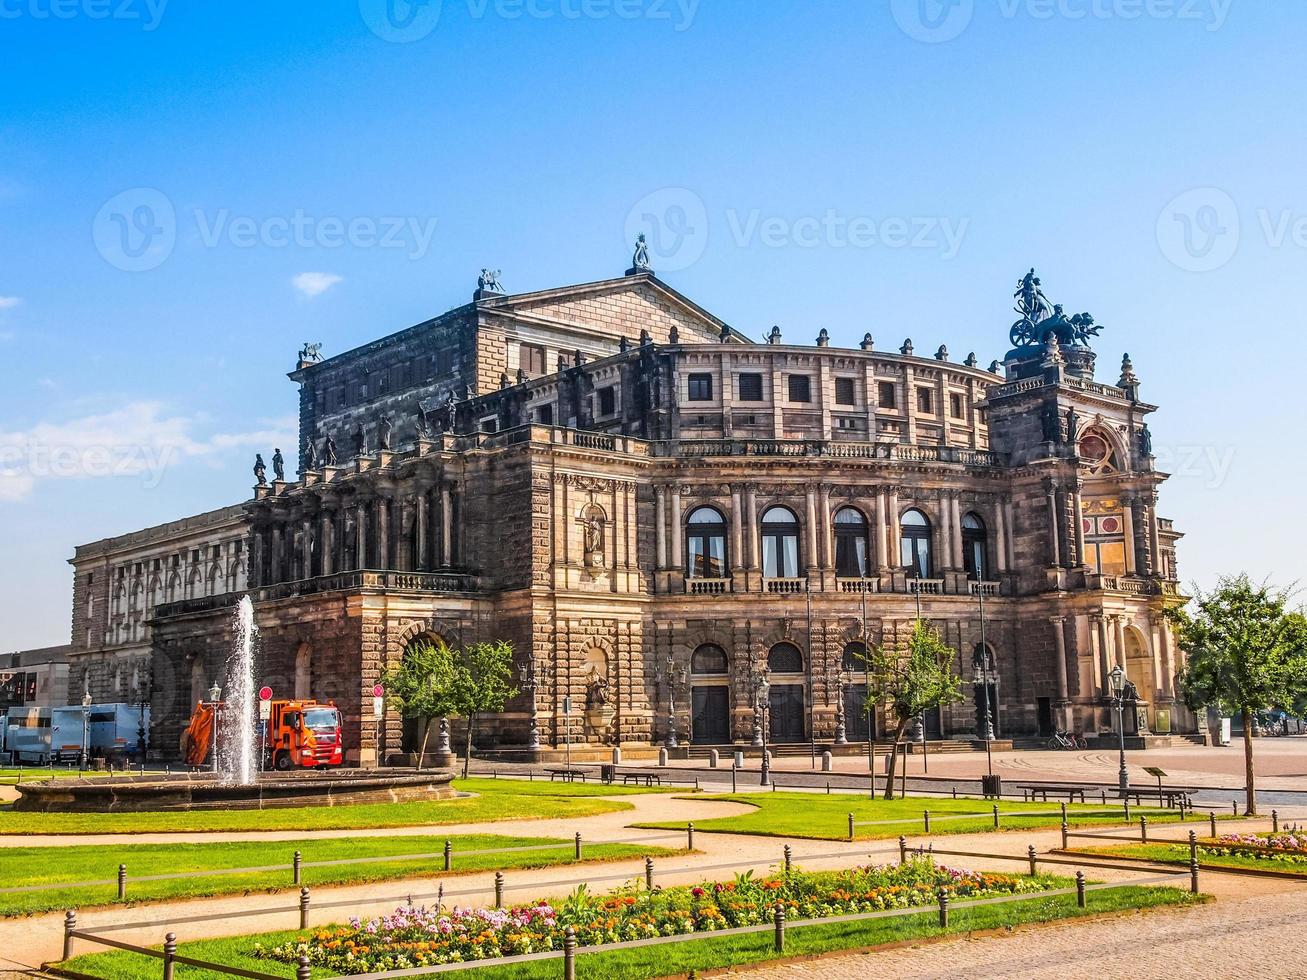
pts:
pixel 378 691
pixel 265 693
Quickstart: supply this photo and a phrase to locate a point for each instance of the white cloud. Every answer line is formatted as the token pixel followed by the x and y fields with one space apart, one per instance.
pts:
pixel 137 440
pixel 315 283
pixel 9 302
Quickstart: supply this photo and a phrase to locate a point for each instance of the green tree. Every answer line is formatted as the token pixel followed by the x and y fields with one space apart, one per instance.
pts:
pixel 422 685
pixel 1244 655
pixel 482 681
pixel 911 682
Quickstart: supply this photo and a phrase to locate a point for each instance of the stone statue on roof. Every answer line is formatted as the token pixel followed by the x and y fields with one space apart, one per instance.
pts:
pixel 489 281
pixel 640 260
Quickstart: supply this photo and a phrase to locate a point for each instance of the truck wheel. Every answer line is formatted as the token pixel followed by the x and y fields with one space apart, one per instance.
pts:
pixel 282 762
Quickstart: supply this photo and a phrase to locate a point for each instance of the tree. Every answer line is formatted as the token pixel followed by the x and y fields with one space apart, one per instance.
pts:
pixel 482 681
pixel 422 685
pixel 911 682
pixel 1244 654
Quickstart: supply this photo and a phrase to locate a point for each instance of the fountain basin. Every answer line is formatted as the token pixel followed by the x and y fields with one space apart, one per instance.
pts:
pixel 202 791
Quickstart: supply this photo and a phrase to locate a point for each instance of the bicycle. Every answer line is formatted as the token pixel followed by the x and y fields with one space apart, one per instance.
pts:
pixel 1067 740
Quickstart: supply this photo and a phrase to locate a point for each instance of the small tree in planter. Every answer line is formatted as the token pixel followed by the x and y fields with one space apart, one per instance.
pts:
pixel 422 686
pixel 1244 655
pixel 911 682
pixel 482 681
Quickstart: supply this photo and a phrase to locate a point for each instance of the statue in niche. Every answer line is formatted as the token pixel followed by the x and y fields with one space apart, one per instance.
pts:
pixel 592 536
pixel 1049 421
pixel 596 697
pixel 1145 441
pixel 451 413
pixel 260 471
pixel 278 466
pixel 310 454
pixel 420 425
pixel 1072 426
pixel 383 433
pixel 329 455
pixel 360 443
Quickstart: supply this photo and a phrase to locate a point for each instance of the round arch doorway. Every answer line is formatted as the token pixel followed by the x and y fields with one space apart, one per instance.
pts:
pixel 710 696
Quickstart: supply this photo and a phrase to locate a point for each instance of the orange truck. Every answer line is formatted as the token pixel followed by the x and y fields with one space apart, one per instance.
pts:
pixel 299 734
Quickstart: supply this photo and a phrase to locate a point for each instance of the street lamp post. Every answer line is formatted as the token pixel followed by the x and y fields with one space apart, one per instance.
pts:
pixel 764 689
pixel 142 736
pixel 215 692
pixel 531 677
pixel 1117 680
pixel 672 679
pixel 86 732
pixel 841 732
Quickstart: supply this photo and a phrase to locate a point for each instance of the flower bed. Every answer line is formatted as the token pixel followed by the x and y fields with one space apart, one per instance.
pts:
pixel 421 936
pixel 1289 847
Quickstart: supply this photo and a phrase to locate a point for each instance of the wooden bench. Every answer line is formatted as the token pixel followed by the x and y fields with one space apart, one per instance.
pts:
pixel 1030 793
pixel 566 775
pixel 648 778
pixel 1172 797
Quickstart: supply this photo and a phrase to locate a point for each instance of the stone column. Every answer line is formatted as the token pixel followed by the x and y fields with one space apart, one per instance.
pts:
pixel 255 572
pixel 946 528
pixel 677 555
pixel 737 528
pixel 446 525
pixel 892 523
pixel 1106 652
pixel 1154 538
pixel 810 500
pixel 955 515
pixel 1000 539
pixel 1011 526
pixel 751 536
pixel 420 531
pixel 1054 543
pixel 383 532
pixel 361 536
pixel 882 530
pixel 825 536
pixel 660 526
pixel 1128 534
pixel 327 541
pixel 306 548
pixel 1059 651
pixel 1118 627
pixel 1096 655
pixel 277 546
pixel 1169 666
pixel 1078 516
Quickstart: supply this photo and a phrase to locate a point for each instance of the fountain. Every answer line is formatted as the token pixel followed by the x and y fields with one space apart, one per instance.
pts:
pixel 236 782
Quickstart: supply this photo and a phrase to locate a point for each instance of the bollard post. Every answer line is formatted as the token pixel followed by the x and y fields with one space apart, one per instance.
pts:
pixel 1080 889
pixel 1211 821
pixel 925 820
pixel 1275 821
pixel 449 855
pixel 569 953
pixel 1182 809
pixel 304 907
pixel 903 850
pixel 122 882
pixel 303 971
pixel 648 873
pixel 828 787
pixel 1102 795
pixel 778 921
pixel 1125 801
pixel 169 955
pixel 1064 835
pixel 578 845
pixel 943 908
pixel 1193 864
pixel 295 869
pixel 1234 807
pixel 996 816
pixel 1063 806
pixel 689 836
pixel 789 858
pixel 850 826
pixel 1143 829
pixel 499 889
pixel 1030 855
pixel 734 771
pixel 70 926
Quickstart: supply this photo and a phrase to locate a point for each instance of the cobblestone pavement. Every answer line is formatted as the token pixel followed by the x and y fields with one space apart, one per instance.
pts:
pixel 1250 937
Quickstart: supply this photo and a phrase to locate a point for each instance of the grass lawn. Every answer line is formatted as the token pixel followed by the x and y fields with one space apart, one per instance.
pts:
pixel 821 817
pixel 495 799
pixel 51 865
pixel 33 774
pixel 701 954
pixel 1179 854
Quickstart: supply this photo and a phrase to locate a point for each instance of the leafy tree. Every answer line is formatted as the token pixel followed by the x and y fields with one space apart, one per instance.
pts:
pixel 422 685
pixel 911 682
pixel 482 681
pixel 1244 655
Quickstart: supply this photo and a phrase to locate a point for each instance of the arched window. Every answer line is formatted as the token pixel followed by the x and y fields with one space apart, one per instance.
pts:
pixel 854 653
pixel 785 658
pixel 780 543
pixel 850 543
pixel 973 548
pixel 705 543
pixel 915 544
pixel 708 659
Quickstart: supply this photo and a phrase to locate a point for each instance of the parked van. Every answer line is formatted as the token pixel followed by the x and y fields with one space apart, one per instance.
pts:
pixel 116 730
pixel 27 735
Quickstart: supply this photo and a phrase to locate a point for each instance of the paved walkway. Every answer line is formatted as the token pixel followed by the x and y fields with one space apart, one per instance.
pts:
pixel 25 943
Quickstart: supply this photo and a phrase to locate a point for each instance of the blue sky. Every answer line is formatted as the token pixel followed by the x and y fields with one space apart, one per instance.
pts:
pixel 334 171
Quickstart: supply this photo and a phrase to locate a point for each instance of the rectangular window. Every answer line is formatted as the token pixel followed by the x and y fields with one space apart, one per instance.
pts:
pixel 545 414
pixel 955 406
pixel 750 386
pixel 489 424
pixel 607 401
pixel 887 394
pixel 700 388
pixel 531 358
pixel 800 388
pixel 846 391
pixel 924 401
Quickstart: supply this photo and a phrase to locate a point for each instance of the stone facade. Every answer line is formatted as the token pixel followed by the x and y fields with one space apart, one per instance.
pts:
pixel 666 510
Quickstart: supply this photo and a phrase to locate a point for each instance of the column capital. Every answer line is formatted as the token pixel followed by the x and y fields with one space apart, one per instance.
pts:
pixel 1057 620
pixel 1051 485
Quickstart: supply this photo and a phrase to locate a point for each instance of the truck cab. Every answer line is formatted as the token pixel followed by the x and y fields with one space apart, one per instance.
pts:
pixel 303 735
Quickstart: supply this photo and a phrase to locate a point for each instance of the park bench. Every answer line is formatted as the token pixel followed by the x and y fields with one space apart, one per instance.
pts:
pixel 648 778
pixel 566 775
pixel 1031 792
